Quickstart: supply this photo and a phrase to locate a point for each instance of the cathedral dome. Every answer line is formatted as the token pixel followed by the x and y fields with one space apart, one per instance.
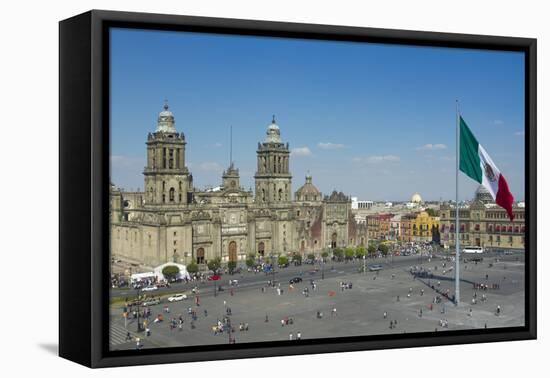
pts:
pixel 483 195
pixel 308 191
pixel 416 198
pixel 273 132
pixel 166 122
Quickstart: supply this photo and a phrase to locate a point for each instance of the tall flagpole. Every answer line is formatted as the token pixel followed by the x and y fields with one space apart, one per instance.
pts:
pixel 457 226
pixel 230 145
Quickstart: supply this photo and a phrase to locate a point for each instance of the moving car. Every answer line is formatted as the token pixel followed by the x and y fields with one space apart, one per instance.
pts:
pixel 150 288
pixel 473 250
pixel 375 267
pixel 151 302
pixel 177 297
pixel 295 280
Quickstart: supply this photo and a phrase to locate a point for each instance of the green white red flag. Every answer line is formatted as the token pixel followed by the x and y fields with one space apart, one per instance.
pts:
pixel 476 163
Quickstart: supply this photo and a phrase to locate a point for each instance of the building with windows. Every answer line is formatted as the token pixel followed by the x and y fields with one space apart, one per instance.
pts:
pixel 483 223
pixel 418 227
pixel 171 220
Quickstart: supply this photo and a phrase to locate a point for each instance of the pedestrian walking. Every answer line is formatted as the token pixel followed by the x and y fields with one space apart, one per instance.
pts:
pixel 385 314
pixel 290 336
pixel 298 335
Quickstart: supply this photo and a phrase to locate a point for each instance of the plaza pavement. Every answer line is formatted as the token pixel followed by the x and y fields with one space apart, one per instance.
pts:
pixel 359 311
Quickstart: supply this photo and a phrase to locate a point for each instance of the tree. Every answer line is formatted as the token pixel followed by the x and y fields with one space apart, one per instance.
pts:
pixel 349 252
pixel 431 212
pixel 311 256
pixel 324 255
pixel 250 261
pixel 360 252
pixel 297 259
pixel 192 267
pixel 282 260
pixel 383 248
pixel 231 265
pixel 170 272
pixel 372 249
pixel 436 235
pixel 214 264
pixel 338 253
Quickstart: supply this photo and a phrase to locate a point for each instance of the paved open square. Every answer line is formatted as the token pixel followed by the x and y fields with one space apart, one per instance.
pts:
pixel 341 301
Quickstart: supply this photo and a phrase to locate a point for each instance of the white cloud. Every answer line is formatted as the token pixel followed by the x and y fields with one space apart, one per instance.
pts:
pixel 432 147
pixel 301 151
pixel 330 146
pixel 374 159
pixel 210 166
pixel 498 122
pixel 519 133
pixel 218 144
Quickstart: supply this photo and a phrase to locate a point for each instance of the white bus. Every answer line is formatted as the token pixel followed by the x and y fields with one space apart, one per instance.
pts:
pixel 473 250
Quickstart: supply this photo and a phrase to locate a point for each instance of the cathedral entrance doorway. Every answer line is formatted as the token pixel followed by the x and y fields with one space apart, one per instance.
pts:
pixel 302 246
pixel 261 248
pixel 200 255
pixel 233 251
pixel 333 240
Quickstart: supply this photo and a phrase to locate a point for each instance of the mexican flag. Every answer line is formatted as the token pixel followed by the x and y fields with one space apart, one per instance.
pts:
pixel 478 165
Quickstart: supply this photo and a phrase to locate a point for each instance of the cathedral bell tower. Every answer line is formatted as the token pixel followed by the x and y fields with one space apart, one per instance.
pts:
pixel 167 179
pixel 272 177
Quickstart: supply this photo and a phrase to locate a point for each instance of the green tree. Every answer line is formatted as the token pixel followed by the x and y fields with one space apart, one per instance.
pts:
pixel 338 253
pixel 311 256
pixel 192 267
pixel 324 255
pixel 383 248
pixel 282 260
pixel 250 261
pixel 431 212
pixel 372 249
pixel 297 258
pixel 349 253
pixel 170 272
pixel 360 252
pixel 214 264
pixel 231 265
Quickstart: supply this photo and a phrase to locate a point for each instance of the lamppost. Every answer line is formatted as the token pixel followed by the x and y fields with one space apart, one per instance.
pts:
pixel 272 258
pixel 139 326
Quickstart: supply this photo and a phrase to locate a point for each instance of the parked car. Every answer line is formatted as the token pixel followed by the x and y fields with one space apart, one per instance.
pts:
pixel 177 297
pixel 150 288
pixel 151 302
pixel 295 280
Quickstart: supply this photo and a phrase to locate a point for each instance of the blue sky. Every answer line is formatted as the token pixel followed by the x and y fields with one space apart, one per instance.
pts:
pixel 375 121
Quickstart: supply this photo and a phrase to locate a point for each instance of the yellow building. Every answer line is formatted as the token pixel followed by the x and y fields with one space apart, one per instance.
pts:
pixel 418 227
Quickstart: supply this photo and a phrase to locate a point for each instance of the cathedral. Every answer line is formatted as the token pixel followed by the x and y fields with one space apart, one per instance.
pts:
pixel 172 221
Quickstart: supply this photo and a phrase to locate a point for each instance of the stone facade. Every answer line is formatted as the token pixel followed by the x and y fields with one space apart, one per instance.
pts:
pixel 484 224
pixel 174 221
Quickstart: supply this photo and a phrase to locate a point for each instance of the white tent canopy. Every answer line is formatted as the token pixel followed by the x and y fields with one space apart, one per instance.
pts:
pixel 180 276
pixel 142 276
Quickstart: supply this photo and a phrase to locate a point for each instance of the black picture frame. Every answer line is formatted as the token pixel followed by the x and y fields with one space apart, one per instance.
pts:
pixel 84 186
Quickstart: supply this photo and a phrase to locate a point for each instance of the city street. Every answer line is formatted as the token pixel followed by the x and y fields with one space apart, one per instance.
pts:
pixel 367 308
